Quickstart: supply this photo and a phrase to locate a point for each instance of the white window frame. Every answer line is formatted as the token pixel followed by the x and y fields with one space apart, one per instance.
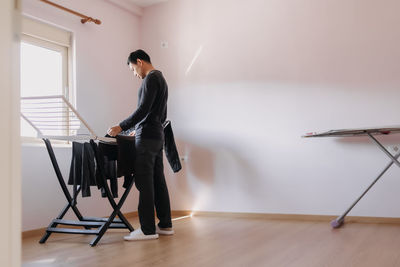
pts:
pixel 45 35
pixel 55 47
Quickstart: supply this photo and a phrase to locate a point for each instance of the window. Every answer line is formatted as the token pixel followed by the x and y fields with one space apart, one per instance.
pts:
pixel 45 68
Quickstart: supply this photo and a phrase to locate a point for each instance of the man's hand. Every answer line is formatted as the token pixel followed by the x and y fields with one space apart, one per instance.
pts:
pixel 113 131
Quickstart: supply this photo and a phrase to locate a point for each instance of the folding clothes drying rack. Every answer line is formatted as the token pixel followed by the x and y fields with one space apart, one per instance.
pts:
pixel 370 132
pixel 53 117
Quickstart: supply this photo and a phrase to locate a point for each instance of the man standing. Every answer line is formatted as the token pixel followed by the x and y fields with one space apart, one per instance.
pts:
pixel 148 121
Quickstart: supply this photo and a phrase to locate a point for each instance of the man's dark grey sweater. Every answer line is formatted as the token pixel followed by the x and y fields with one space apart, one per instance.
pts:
pixel 151 110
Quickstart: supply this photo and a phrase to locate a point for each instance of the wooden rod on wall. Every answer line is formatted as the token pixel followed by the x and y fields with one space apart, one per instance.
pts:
pixel 84 17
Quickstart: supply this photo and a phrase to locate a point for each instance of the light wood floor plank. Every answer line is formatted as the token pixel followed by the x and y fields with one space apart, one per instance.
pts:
pixel 224 241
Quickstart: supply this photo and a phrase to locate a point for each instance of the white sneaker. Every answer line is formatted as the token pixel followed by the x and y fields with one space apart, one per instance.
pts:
pixel 164 231
pixel 139 235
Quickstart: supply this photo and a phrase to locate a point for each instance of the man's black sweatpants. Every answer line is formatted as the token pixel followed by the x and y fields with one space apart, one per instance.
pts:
pixel 150 181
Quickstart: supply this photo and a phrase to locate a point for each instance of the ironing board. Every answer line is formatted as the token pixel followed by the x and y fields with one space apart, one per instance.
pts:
pixel 371 133
pixel 53 117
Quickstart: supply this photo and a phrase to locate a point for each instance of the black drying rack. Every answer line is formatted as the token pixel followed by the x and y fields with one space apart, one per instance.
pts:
pixel 53 117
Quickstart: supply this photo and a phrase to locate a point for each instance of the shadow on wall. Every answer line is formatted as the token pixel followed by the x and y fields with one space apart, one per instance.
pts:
pixel 201 163
pixel 198 162
pixel 209 169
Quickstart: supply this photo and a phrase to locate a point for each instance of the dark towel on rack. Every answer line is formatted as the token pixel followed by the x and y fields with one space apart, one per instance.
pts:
pixel 110 171
pixel 126 158
pixel 114 160
pixel 75 170
pixel 105 168
pixel 82 170
pixel 108 154
pixel 89 164
pixel 99 165
pixel 170 148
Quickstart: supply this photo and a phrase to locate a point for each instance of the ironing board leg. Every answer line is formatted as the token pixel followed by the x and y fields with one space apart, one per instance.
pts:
pixel 336 223
pixel 393 158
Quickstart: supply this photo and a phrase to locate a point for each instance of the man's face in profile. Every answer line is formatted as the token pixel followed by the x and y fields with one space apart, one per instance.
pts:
pixel 136 68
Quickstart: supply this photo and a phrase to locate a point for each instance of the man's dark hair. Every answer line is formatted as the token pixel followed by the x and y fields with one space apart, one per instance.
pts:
pixel 138 54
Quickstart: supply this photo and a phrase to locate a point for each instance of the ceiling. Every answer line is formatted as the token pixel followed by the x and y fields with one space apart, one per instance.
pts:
pixel 135 6
pixel 146 3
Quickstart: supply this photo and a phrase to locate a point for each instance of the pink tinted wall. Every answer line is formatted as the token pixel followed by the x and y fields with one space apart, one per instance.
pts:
pixel 248 78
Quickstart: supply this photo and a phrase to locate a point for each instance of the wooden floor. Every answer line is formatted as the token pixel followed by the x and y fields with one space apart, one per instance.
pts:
pixel 221 241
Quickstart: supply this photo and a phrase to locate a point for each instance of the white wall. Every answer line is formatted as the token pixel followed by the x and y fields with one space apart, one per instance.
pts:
pixel 248 78
pixel 10 190
pixel 105 94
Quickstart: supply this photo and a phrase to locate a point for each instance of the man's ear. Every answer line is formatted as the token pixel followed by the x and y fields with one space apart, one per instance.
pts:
pixel 139 62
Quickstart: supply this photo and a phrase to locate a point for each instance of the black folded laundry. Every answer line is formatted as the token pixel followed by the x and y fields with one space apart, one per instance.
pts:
pixel 110 150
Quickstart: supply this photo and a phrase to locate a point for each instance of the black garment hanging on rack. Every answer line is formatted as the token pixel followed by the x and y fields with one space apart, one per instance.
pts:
pixel 106 158
pixel 171 152
pixel 85 172
pixel 82 170
pixel 126 157
pixel 116 160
